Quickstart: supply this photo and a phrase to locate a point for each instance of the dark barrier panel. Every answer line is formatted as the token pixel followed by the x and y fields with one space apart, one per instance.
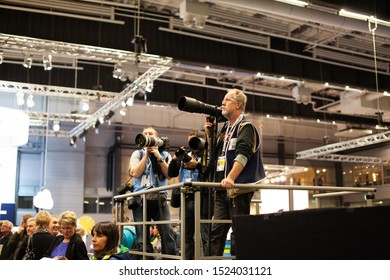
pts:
pixel 319 234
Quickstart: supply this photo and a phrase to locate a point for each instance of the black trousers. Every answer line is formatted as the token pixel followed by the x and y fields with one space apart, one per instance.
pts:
pixel 224 209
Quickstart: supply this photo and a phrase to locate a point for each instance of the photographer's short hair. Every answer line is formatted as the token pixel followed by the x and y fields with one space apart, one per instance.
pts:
pixel 200 133
pixel 155 131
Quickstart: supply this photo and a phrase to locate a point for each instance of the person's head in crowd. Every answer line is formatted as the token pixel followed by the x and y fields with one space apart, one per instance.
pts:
pixel 23 221
pixel 42 219
pixel 54 226
pixel 68 224
pixel 6 227
pixel 31 226
pixel 105 238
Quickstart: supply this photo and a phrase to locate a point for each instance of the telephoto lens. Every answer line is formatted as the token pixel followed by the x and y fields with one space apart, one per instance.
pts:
pixel 142 140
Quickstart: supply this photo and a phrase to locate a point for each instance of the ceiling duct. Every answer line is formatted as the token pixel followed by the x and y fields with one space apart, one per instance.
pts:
pixel 304 14
pixel 362 104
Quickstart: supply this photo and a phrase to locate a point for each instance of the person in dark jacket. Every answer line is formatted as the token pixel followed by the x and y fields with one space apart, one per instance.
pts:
pixel 5 236
pixel 105 238
pixel 16 241
pixel 69 245
pixel 41 239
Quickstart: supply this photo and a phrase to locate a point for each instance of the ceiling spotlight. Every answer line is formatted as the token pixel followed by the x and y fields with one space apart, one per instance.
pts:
pixel 20 98
pixel 139 44
pixel 30 101
pixel 47 64
pixel 117 71
pixel 73 141
pixel 96 126
pixel 109 115
pixel 84 105
pixel 149 87
pixel 27 61
pixel 56 126
pixel 83 135
pixel 123 112
pixel 130 101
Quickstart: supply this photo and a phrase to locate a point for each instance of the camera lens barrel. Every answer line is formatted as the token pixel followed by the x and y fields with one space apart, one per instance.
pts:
pixel 142 140
pixel 192 105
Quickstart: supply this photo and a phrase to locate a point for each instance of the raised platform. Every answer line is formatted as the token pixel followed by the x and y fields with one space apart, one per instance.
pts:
pixel 334 233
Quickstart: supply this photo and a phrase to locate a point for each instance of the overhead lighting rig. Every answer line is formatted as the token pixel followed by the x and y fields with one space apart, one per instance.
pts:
pixel 344 145
pixel 129 92
pixel 17 44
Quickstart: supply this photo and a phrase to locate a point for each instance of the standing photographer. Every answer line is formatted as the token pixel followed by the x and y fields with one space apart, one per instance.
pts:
pixel 149 169
pixel 189 167
pixel 237 160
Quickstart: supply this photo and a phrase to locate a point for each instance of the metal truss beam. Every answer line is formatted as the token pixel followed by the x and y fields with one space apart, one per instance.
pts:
pixel 48 132
pixel 347 158
pixel 42 118
pixel 44 90
pixel 138 85
pixel 344 145
pixel 28 45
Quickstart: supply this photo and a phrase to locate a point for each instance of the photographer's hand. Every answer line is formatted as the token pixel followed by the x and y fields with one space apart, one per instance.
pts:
pixel 192 164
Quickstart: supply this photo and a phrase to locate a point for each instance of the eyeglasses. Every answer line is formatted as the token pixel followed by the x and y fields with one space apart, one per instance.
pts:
pixel 228 99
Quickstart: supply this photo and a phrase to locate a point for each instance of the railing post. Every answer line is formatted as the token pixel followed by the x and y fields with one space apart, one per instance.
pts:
pixel 291 200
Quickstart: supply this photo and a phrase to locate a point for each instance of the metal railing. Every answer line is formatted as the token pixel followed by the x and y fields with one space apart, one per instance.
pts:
pixel 194 187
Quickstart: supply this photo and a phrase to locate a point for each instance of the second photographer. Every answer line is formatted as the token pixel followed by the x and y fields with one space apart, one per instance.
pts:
pixel 149 169
pixel 189 165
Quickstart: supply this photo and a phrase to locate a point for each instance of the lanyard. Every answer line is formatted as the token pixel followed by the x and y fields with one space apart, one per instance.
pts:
pixel 229 132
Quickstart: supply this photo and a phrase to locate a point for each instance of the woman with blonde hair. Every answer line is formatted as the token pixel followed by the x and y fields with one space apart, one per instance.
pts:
pixel 69 245
pixel 41 239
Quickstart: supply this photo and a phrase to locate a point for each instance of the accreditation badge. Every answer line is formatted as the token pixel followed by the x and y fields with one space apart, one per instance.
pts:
pixel 221 163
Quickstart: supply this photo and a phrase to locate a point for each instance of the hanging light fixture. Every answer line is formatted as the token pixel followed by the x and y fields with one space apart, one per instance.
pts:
pixel 123 111
pixel 130 101
pixel 47 64
pixel 73 141
pixel 30 101
pixel 84 105
pixel 117 73
pixel 56 126
pixel 27 61
pixel 20 98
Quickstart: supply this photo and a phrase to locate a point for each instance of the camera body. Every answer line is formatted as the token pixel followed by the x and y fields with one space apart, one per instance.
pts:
pixel 182 155
pixel 132 201
pixel 197 143
pixel 142 140
pixel 126 188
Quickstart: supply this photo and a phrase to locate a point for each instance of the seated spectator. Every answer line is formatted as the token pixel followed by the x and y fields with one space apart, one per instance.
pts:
pixel 54 226
pixel 69 245
pixel 16 241
pixel 105 238
pixel 6 233
pixel 41 239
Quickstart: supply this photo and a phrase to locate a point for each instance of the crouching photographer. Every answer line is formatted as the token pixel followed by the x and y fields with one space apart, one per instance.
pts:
pixel 149 169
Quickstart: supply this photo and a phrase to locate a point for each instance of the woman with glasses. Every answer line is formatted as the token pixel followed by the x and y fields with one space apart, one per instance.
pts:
pixel 69 245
